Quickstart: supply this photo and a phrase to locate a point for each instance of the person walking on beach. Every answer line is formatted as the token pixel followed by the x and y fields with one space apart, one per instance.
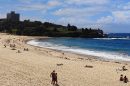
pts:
pixel 53 75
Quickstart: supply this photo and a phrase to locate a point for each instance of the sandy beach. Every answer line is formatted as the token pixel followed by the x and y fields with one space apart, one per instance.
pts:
pixel 32 67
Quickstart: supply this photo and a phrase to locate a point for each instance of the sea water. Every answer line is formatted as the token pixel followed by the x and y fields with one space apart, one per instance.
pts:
pixel 116 47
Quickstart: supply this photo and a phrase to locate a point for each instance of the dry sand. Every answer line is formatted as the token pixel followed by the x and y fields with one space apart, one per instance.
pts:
pixel 33 67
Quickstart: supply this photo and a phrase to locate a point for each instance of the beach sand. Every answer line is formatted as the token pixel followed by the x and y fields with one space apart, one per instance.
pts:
pixel 33 67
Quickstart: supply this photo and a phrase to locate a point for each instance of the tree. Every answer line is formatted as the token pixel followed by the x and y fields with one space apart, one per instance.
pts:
pixel 14 31
pixel 69 27
pixel 55 29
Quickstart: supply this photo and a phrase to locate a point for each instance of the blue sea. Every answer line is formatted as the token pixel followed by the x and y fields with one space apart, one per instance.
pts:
pixel 115 47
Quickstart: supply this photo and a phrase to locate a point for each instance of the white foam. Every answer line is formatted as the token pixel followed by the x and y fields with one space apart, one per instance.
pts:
pixel 112 38
pixel 102 54
pixel 33 42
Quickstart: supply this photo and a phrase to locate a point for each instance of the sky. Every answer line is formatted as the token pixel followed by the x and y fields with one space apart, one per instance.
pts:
pixel 112 16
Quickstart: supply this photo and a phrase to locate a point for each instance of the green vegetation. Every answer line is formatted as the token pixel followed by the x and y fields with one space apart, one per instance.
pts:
pixel 38 28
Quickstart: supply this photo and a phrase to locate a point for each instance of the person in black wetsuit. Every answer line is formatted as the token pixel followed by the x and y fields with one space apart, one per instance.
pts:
pixel 53 75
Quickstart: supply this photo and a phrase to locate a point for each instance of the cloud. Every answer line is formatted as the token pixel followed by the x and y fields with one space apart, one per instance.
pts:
pixel 25 1
pixel 127 6
pixel 87 2
pixel 2 16
pixel 82 13
pixel 31 7
pixel 105 20
pixel 38 5
pixel 82 10
pixel 54 3
pixel 121 16
pixel 79 22
pixel 71 20
pixel 79 12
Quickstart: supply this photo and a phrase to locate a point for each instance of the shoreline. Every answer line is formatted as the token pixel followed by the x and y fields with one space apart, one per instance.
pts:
pixel 83 56
pixel 33 67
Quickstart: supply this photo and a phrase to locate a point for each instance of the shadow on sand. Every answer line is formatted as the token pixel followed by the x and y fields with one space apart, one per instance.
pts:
pixel 56 85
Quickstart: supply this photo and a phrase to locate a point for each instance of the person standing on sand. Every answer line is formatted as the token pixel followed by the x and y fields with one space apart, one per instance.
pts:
pixel 53 75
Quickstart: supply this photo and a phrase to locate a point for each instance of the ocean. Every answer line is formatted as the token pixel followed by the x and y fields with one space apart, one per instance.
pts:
pixel 115 47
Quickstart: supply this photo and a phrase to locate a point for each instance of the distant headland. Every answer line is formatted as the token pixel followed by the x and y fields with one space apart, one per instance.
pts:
pixel 12 25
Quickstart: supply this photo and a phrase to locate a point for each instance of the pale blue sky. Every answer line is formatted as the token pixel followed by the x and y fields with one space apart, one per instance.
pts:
pixel 109 15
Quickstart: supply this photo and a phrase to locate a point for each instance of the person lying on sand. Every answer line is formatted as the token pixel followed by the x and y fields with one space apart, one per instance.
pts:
pixel 4 45
pixel 123 68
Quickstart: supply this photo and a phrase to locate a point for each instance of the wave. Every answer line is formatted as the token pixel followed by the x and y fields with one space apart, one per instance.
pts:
pixel 113 38
pixel 101 54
